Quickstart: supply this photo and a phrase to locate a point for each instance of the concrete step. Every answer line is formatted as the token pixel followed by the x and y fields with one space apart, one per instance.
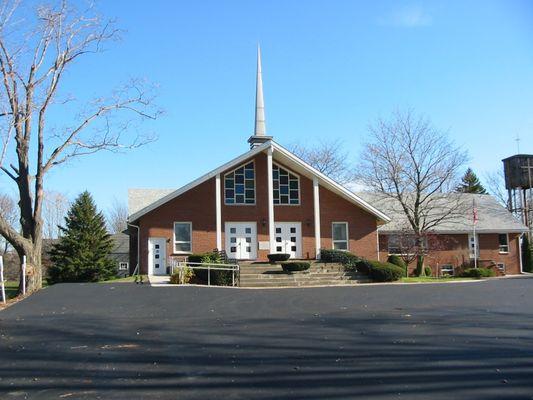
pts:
pixel 303 284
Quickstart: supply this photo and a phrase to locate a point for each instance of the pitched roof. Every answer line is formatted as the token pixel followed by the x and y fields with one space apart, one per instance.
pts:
pixel 492 216
pixel 142 201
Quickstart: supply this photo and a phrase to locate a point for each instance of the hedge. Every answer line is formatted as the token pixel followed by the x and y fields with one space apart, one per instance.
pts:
pixel 428 271
pixel 385 272
pixel 292 266
pixel 347 259
pixel 277 257
pixel 218 277
pixel 478 273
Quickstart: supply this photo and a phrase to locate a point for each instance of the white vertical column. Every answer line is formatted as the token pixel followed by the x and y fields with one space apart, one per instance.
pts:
pixel 218 197
pixel 316 203
pixel 270 188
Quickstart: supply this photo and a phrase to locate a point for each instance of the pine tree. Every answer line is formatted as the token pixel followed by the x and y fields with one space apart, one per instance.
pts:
pixel 527 256
pixel 470 184
pixel 82 254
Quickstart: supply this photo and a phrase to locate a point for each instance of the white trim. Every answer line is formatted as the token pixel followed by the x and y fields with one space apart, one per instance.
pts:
pixel 218 207
pixel 234 183
pixel 327 182
pixel 181 241
pixel 347 235
pixel 200 180
pixel 127 267
pixel 458 232
pixel 377 242
pixel 316 206
pixel 271 229
pixel 520 242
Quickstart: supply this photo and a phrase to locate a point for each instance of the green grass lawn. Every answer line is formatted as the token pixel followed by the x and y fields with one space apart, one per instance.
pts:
pixel 419 279
pixel 11 289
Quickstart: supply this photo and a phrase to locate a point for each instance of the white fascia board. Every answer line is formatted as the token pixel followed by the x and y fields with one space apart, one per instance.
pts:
pixel 331 183
pixel 202 179
pixel 458 231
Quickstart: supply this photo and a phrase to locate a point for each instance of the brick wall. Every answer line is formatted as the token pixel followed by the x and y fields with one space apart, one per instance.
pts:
pixel 453 249
pixel 198 206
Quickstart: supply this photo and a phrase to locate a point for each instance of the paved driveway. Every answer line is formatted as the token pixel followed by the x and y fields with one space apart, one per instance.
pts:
pixel 467 340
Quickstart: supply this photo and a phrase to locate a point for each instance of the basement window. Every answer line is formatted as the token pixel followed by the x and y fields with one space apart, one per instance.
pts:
pixel 182 237
pixel 286 186
pixel 122 266
pixel 503 242
pixel 239 185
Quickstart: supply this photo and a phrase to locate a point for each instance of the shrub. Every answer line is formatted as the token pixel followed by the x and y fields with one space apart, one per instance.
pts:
pixel 218 277
pixel 291 266
pixel 428 271
pixel 277 257
pixel 182 276
pixel 396 260
pixel 478 273
pixel 385 272
pixel 363 266
pixel 347 259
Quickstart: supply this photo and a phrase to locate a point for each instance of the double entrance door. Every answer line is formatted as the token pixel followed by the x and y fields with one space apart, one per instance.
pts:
pixel 241 240
pixel 288 238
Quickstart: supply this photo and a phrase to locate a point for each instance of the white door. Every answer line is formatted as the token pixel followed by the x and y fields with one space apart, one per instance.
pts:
pixel 241 240
pixel 157 257
pixel 288 238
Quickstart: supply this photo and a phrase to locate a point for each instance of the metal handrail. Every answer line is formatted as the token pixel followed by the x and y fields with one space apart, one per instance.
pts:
pixel 234 268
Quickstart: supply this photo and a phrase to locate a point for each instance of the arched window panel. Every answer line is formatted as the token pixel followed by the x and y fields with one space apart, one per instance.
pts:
pixel 286 186
pixel 239 185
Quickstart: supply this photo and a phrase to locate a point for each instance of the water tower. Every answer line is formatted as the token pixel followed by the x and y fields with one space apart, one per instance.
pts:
pixel 518 170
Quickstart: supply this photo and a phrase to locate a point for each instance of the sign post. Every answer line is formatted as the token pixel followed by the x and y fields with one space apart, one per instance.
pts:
pixel 2 284
pixel 24 275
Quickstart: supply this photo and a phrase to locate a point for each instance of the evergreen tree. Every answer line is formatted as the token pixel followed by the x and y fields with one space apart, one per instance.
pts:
pixel 470 183
pixel 527 256
pixel 82 254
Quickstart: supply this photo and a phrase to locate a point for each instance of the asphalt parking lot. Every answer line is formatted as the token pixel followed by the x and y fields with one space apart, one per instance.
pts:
pixel 464 340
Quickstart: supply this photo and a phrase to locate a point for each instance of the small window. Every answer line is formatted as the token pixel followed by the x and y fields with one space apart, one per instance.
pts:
pixel 503 241
pixel 501 267
pixel 122 266
pixel 232 230
pixel 182 237
pixel 248 230
pixel 278 230
pixel 340 235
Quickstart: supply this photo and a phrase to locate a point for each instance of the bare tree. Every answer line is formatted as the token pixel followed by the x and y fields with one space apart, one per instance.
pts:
pixel 330 158
pixel 55 207
pixel 8 210
pixel 496 186
pixel 117 217
pixel 410 161
pixel 37 48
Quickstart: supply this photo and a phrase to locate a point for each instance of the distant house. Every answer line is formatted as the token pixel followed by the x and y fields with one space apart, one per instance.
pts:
pixel 267 200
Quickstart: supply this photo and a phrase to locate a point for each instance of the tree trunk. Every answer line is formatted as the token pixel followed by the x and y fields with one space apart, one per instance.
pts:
pixel 34 273
pixel 419 265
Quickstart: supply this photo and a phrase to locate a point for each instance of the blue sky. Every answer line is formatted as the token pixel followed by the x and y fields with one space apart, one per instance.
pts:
pixel 329 69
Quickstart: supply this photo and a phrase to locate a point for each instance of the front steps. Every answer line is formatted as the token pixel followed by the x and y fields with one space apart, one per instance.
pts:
pixel 265 275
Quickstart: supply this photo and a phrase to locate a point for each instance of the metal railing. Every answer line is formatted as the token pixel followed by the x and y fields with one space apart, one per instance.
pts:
pixel 179 266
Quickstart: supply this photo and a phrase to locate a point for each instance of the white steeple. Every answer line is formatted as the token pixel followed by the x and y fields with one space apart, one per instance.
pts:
pixel 259 135
pixel 260 126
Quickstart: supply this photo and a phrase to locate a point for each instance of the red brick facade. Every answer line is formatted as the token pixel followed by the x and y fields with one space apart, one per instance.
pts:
pixel 453 249
pixel 198 206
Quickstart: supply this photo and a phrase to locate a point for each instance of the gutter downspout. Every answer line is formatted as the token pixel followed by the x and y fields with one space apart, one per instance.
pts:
pixel 520 238
pixel 138 248
pixel 377 241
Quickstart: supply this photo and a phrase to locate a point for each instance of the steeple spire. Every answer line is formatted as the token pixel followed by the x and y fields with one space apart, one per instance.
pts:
pixel 259 135
pixel 260 126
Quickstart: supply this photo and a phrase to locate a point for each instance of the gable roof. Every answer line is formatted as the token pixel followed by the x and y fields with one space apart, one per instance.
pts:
pixel 139 207
pixel 492 216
